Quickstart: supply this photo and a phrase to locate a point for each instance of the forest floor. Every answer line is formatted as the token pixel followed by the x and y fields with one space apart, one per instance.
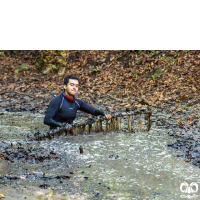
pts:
pixel 165 81
pixel 113 80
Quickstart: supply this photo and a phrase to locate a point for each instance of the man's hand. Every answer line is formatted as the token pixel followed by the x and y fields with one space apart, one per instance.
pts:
pixel 108 116
pixel 68 129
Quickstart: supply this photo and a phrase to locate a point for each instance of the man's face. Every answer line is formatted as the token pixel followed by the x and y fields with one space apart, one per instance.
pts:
pixel 71 88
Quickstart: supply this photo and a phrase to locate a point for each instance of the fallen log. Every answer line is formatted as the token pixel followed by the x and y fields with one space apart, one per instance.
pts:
pixel 94 125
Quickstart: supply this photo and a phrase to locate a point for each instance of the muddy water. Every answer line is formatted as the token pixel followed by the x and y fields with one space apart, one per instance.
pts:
pixel 113 166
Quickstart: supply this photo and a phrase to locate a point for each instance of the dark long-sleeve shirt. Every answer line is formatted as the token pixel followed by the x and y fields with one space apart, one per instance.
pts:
pixel 62 110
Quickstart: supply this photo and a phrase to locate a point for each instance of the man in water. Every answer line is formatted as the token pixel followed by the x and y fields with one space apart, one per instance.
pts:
pixel 63 107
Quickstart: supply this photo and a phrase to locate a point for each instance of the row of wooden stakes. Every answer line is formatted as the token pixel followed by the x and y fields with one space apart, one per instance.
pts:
pixel 94 125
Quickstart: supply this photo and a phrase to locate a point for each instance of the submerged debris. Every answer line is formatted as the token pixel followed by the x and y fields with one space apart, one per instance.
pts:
pixel 81 149
pixel 24 154
pixel 191 149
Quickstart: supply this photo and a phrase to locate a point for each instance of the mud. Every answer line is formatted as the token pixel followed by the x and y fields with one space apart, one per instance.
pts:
pixel 120 165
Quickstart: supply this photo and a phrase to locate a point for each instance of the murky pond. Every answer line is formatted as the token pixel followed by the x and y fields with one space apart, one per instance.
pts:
pixel 117 165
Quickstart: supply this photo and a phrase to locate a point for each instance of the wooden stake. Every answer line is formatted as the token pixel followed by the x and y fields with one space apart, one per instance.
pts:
pixel 87 128
pixel 149 121
pixel 129 123
pixel 119 123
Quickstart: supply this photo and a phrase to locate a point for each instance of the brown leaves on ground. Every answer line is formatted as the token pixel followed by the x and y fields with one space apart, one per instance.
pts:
pixel 121 78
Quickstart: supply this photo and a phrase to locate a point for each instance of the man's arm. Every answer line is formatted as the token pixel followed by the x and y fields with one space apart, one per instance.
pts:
pixel 51 111
pixel 91 110
pixel 87 108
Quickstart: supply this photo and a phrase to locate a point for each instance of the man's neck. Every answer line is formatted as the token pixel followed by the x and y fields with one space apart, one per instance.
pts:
pixel 68 94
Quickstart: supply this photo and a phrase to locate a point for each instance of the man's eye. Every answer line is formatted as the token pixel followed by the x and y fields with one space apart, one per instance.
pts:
pixel 73 85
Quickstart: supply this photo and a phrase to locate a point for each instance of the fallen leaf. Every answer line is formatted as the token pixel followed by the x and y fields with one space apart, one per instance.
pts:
pixel 1 195
pixel 191 116
pixel 182 97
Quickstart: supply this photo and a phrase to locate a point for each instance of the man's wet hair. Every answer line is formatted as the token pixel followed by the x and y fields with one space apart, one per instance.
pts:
pixel 71 76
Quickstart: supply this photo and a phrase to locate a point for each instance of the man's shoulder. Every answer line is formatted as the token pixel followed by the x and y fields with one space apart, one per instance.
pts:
pixel 81 102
